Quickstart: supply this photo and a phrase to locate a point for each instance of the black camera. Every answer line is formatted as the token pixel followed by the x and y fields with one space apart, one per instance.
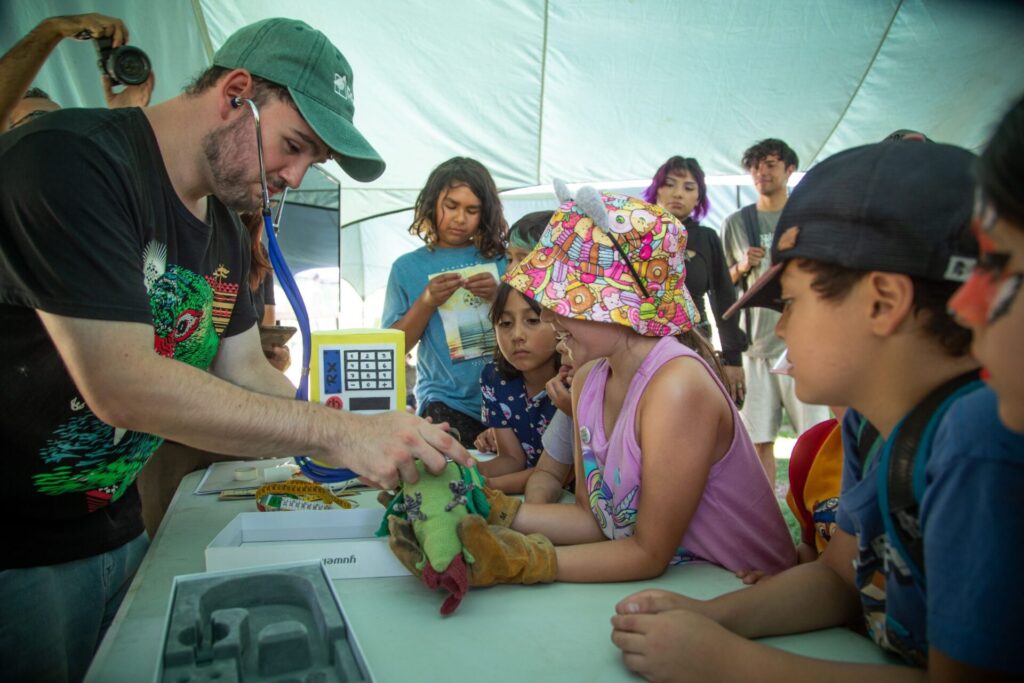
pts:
pixel 126 65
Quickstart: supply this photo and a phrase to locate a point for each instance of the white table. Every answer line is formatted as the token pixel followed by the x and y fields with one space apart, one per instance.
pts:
pixel 557 631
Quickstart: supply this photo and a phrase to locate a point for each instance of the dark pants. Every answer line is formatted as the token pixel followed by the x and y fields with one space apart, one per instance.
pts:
pixel 467 427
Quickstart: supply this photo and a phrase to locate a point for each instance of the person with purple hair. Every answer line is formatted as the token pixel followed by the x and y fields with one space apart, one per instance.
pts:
pixel 679 187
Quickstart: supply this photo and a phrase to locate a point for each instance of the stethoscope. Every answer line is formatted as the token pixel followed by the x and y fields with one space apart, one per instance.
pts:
pixel 312 469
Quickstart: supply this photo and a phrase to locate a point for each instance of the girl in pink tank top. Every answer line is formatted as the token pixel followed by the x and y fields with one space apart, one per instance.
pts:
pixel 665 470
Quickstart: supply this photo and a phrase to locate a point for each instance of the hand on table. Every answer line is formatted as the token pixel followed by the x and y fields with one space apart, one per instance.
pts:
pixel 654 600
pixel 752 576
pixel 674 645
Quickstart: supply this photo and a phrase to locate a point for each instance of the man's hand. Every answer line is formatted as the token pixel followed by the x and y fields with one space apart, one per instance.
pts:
pixel 735 383
pixel 482 285
pixel 88 27
pixel 383 449
pixel 440 289
pixel 130 95
pixel 751 260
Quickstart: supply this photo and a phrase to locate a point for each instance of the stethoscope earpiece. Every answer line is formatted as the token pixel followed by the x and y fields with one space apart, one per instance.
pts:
pixel 236 102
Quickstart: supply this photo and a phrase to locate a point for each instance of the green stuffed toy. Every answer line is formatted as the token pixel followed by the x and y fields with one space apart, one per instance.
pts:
pixel 434 506
pixel 452 532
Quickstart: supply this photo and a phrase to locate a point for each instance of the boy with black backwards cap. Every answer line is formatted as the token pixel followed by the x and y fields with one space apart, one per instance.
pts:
pixel 118 237
pixel 867 252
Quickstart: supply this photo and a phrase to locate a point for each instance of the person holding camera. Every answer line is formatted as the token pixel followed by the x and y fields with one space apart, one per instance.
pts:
pixel 20 65
pixel 123 268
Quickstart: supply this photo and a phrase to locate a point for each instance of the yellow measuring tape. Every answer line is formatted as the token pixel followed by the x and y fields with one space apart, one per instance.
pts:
pixel 298 495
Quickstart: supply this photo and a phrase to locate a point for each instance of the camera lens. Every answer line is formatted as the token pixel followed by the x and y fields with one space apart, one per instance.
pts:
pixel 128 65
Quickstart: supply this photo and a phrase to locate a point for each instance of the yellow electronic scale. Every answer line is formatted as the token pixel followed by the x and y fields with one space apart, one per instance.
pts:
pixel 362 371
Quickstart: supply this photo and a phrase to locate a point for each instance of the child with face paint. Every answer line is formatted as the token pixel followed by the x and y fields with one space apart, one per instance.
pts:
pixel 990 302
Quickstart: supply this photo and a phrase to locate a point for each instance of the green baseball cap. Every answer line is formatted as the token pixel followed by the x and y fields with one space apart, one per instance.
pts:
pixel 293 54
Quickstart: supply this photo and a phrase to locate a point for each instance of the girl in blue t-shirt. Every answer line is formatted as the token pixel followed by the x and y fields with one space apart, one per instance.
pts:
pixel 439 294
pixel 515 401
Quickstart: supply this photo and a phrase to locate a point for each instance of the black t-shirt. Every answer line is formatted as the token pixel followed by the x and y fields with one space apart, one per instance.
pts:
pixel 90 227
pixel 706 272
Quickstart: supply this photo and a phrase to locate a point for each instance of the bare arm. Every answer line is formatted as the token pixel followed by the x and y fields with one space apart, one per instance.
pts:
pixel 546 481
pixel 241 361
pixel 269 315
pixel 807 597
pixel 415 320
pixel 680 644
pixel 511 458
pixel 127 385
pixel 512 483
pixel 20 65
pixel 677 456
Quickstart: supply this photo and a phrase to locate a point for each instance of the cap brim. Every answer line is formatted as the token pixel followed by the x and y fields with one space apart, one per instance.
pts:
pixel 356 156
pixel 766 292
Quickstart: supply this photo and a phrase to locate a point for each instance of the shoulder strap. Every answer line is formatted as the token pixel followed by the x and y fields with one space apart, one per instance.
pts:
pixel 868 444
pixel 749 215
pixel 914 439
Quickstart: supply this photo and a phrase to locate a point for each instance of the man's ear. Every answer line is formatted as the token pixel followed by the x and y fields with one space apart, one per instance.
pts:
pixel 891 296
pixel 236 83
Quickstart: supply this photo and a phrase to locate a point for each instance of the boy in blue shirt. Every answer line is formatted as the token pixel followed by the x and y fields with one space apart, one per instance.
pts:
pixel 866 254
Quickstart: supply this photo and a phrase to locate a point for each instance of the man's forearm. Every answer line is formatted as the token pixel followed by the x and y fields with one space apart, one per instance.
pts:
pixel 179 402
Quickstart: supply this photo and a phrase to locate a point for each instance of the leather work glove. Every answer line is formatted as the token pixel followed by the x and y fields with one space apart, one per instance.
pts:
pixel 404 545
pixel 503 508
pixel 501 555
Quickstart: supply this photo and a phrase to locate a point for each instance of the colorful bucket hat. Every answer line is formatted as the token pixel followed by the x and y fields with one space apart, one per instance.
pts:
pixel 611 258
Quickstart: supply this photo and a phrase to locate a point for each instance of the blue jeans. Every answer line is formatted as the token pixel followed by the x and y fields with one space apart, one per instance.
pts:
pixel 55 616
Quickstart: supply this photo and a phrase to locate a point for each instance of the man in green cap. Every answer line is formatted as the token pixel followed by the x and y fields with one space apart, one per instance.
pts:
pixel 118 237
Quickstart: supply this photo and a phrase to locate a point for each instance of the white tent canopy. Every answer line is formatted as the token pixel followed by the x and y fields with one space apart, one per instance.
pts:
pixel 598 90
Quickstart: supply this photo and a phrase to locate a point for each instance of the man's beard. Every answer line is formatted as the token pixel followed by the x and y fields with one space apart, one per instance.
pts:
pixel 232 182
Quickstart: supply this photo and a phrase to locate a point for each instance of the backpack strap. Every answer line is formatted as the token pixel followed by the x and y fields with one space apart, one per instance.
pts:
pixel 901 480
pixel 748 214
pixel 868 442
